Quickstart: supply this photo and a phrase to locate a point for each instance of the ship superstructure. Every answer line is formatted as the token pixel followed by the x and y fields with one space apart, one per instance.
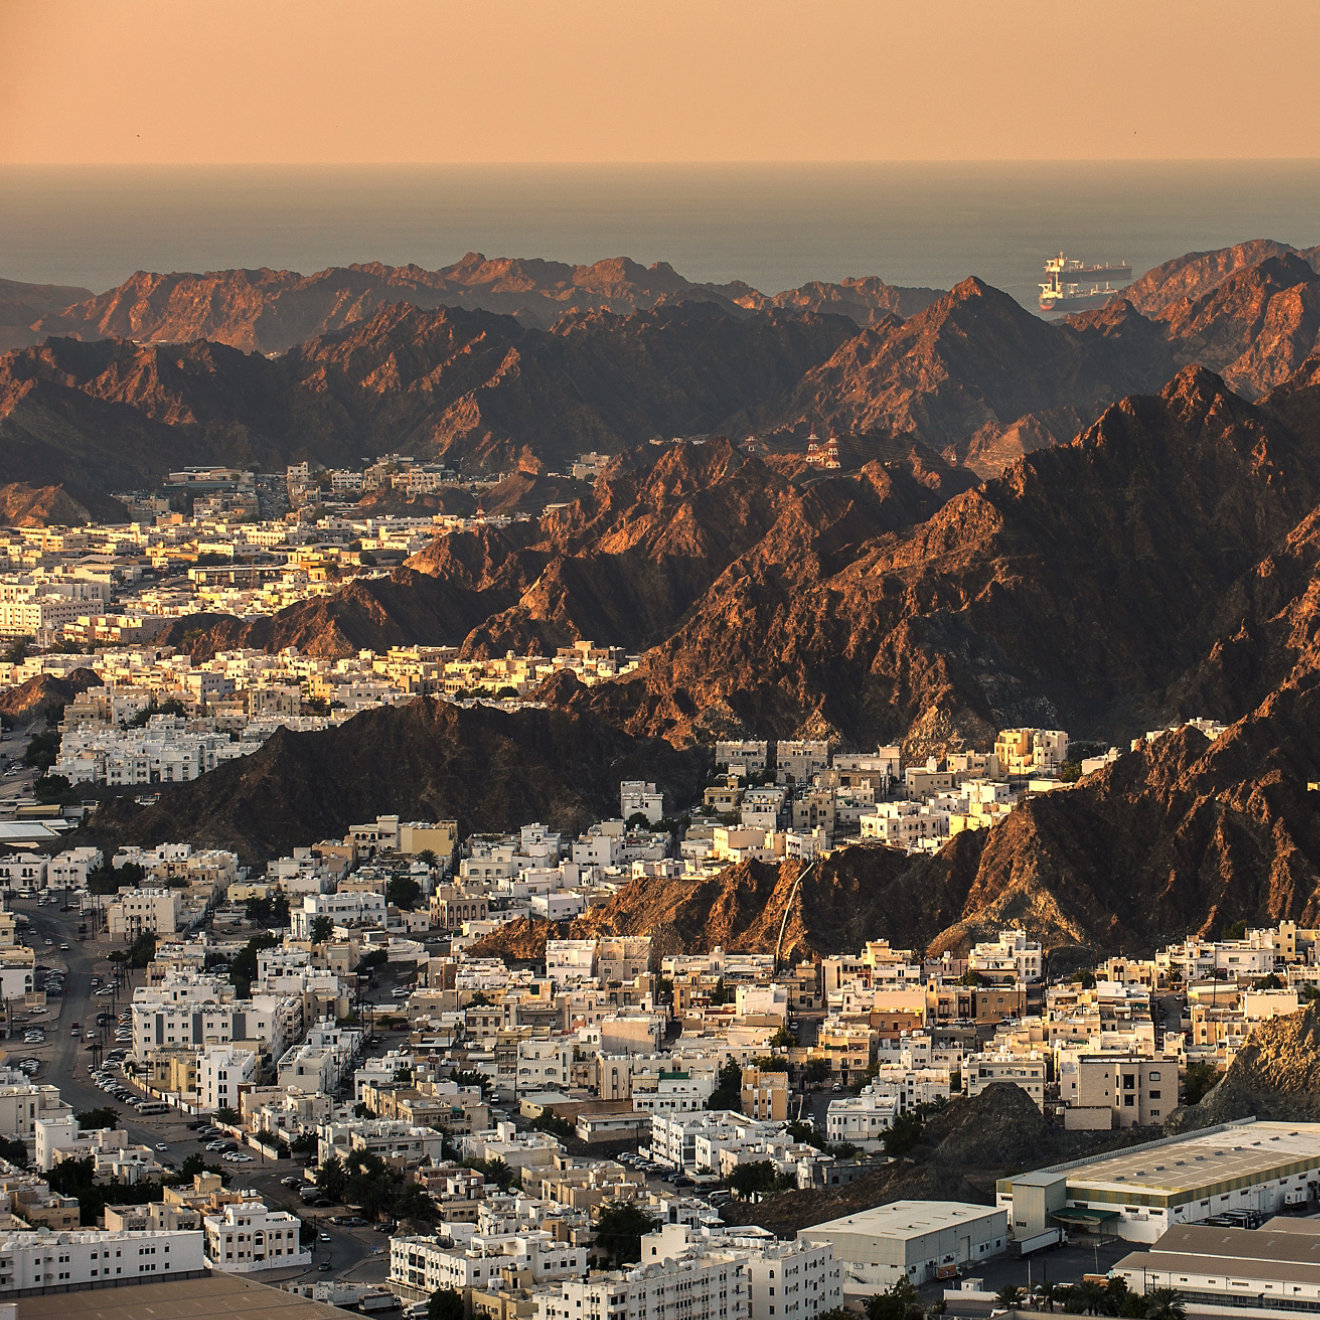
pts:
pixel 1073 286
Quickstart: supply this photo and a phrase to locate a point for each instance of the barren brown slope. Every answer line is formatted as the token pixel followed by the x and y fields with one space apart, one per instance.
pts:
pixel 1004 606
pixel 1275 1076
pixel 1256 327
pixel 488 769
pixel 1197 273
pixel 621 565
pixel 975 361
pixel 45 696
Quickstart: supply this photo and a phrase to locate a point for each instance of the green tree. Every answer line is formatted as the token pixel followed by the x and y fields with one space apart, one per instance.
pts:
pixel 619 1231
pixel 1165 1304
pixel 445 1304
pixel 902 1134
pixel 1235 930
pixel 14 1151
pixel 1091 1295
pixel 16 652
pixel 639 820
pixel 900 1301
pixel 89 1120
pixel 1010 1297
pixel 808 1133
pixel 403 891
pixel 1069 772
pixel 273 910
pixel 759 1178
pixel 363 1110
pixel 970 978
pixel 53 789
pixel 1273 981
pixel 428 856
pixel 331 1178
pixel 42 750
pixel 142 950
pixel 304 1144
pixel 815 1072
pixel 783 1039
pixel 228 1115
pixel 728 1088
pixel 243 968
pixel 1047 1294
pixel 320 929
pixel 1199 1079
pixel 1084 977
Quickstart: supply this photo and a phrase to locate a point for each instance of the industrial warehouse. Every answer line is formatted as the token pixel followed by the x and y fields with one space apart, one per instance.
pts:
pixel 1245 1168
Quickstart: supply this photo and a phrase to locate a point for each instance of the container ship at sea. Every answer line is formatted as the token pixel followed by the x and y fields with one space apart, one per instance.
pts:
pixel 1073 286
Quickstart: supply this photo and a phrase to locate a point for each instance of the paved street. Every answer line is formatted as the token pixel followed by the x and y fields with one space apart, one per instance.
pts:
pixel 67 1061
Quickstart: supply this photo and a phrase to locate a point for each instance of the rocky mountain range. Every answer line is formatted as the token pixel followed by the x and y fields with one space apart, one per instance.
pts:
pixel 269 311
pixel 1162 562
pixel 631 354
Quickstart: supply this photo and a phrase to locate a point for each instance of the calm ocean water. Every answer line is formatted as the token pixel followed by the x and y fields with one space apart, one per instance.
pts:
pixel 773 226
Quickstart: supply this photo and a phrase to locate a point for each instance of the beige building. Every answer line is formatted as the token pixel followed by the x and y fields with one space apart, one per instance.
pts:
pixel 1137 1091
pixel 765 1095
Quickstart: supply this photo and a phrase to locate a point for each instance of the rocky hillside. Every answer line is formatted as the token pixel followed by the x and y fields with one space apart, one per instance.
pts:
pixel 22 505
pixel 974 364
pixel 962 1151
pixel 1179 836
pixel 488 769
pixel 1276 1075
pixel 625 562
pixel 44 697
pixel 630 354
pixel 1195 274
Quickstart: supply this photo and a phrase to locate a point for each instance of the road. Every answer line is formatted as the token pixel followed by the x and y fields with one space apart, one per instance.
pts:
pixel 66 1062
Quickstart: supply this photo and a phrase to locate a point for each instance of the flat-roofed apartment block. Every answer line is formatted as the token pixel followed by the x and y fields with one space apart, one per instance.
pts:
pixel 1140 1193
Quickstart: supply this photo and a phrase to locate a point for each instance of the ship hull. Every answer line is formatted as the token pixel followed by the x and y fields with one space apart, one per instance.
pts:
pixel 1082 302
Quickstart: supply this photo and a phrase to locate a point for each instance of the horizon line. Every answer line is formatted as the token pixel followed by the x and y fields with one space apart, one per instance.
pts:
pixel 650 164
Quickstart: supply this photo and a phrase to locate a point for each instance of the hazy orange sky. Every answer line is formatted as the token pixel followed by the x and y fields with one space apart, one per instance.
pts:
pixel 151 81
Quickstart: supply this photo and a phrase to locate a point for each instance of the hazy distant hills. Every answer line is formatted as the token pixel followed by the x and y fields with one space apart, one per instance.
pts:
pixel 632 354
pixel 268 311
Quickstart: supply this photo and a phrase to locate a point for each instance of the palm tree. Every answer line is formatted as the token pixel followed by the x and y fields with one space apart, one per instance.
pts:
pixel 1165 1304
pixel 1010 1297
pixel 1091 1295
pixel 1047 1294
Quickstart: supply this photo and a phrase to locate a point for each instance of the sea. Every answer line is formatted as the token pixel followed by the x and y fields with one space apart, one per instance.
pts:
pixel 774 226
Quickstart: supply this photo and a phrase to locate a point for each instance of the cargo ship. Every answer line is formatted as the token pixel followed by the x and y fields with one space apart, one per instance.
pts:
pixel 1073 286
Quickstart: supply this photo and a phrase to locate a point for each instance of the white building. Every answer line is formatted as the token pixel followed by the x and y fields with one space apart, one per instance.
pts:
pixel 22 1105
pixel 912 1239
pixel 246 1237
pixel 1011 957
pixel 696 1287
pixel 420 1265
pixel 1141 1192
pixel 639 797
pixel 141 911
pixel 224 1072
pixel 42 1261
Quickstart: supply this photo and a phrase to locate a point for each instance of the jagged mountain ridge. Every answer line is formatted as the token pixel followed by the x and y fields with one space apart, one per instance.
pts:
pixel 971 375
pixel 269 311
pixel 474 388
pixel 1180 835
pixel 626 562
pixel 998 608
